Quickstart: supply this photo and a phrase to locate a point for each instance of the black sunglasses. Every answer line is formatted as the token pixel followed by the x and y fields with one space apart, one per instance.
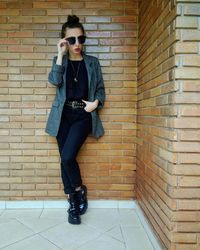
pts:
pixel 72 39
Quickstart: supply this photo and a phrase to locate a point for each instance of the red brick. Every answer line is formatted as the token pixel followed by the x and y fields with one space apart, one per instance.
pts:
pixel 186 181
pixel 9 12
pixel 124 49
pixel 19 5
pixel 191 9
pixel 187 22
pixel 20 34
pixel 2 5
pixel 187 73
pixel 186 47
pixel 97 19
pixel 45 19
pixel 20 19
pixel 111 41
pixel 188 35
pixel 21 48
pixel 190 85
pixel 85 12
pixel 98 34
pixel 125 19
pixel 193 60
pixel 44 5
pixel 110 12
pixel 186 122
pixel 130 11
pixel 192 158
pixel 72 5
pixel 97 5
pixel 9 41
pixel 54 12
pixel 33 12
pixel 124 34
pixel 110 27
pixel 9 26
pixel 189 135
pixel 182 237
pixel 193 110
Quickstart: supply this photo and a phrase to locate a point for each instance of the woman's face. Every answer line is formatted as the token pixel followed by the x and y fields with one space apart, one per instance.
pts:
pixel 76 48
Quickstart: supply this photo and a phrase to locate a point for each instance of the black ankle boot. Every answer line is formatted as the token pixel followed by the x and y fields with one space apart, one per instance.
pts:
pixel 73 211
pixel 82 197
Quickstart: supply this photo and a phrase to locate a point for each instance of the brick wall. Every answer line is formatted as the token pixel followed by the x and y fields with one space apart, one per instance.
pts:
pixel 29 159
pixel 187 125
pixel 168 173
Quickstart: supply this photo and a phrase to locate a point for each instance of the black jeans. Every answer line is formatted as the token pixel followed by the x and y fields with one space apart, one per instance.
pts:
pixel 75 126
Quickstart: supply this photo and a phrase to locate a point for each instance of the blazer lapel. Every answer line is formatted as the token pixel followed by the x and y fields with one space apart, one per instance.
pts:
pixel 88 65
pixel 65 63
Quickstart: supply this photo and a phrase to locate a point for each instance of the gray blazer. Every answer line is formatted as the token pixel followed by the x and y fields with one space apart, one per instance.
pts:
pixel 96 90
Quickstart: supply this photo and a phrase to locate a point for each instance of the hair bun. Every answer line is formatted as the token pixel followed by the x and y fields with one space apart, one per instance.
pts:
pixel 72 19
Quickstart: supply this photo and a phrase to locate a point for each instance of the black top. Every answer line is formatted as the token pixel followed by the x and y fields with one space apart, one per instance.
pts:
pixel 76 90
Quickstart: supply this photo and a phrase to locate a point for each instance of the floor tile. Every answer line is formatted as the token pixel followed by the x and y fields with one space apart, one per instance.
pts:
pixel 103 219
pixel 48 229
pixel 103 242
pixel 128 217
pixel 1 211
pixel 5 220
pixel 136 238
pixel 32 243
pixel 70 237
pixel 55 213
pixel 40 224
pixel 13 231
pixel 115 233
pixel 17 213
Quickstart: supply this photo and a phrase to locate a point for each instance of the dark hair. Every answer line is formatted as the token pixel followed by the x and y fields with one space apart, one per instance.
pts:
pixel 72 22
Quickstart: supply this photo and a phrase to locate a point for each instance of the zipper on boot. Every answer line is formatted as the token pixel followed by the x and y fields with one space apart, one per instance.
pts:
pixel 73 211
pixel 82 197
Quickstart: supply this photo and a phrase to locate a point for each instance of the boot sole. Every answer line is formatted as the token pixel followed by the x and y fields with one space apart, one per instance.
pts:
pixel 74 222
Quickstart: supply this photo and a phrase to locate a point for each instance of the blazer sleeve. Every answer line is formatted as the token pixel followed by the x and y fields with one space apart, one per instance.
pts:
pixel 100 89
pixel 56 74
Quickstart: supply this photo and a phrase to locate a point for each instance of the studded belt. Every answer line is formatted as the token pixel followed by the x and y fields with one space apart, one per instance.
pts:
pixel 75 104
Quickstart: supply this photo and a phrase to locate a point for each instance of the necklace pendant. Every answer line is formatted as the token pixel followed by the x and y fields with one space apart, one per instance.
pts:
pixel 75 79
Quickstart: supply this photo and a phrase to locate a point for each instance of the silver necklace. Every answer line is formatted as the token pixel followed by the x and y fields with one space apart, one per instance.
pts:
pixel 75 73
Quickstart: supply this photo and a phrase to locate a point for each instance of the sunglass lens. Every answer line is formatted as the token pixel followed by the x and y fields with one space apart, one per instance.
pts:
pixel 71 40
pixel 81 39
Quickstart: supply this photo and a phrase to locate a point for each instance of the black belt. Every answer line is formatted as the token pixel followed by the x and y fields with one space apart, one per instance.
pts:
pixel 75 104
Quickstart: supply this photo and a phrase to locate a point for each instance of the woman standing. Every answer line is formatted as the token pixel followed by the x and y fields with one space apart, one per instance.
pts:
pixel 74 113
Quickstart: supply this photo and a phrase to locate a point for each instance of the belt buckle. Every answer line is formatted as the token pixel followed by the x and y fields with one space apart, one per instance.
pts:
pixel 73 104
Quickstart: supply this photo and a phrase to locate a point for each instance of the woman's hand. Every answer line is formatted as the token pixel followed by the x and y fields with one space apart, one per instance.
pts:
pixel 62 46
pixel 90 106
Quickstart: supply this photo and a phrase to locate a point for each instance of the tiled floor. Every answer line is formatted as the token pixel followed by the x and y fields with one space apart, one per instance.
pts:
pixel 48 229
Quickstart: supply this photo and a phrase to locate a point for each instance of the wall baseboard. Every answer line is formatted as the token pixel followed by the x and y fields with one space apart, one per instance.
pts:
pixel 64 204
pixel 120 204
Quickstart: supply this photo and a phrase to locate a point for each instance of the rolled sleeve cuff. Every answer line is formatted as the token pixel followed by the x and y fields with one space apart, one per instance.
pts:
pixel 101 102
pixel 58 68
